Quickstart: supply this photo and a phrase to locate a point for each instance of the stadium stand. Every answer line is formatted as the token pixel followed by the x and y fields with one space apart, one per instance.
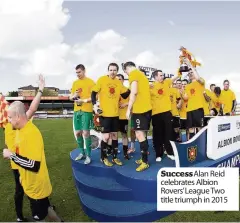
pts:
pixel 55 106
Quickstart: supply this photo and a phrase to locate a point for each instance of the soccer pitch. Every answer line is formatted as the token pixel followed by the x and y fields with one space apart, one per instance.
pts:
pixel 59 141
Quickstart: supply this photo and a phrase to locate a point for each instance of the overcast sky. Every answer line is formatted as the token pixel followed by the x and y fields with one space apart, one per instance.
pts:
pixel 53 36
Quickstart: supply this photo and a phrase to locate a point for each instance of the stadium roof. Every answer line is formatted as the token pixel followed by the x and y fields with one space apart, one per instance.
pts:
pixel 30 98
pixel 63 92
pixel 30 87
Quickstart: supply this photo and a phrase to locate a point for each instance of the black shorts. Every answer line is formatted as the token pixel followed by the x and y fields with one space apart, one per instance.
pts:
pixel 39 208
pixel 195 118
pixel 123 126
pixel 183 123
pixel 109 124
pixel 142 121
pixel 176 122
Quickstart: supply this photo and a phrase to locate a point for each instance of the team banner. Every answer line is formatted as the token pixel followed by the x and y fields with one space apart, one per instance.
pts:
pixel 192 152
pixel 149 71
pixel 223 136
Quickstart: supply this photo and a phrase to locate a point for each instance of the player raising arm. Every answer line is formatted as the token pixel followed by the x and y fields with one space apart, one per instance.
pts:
pixel 194 95
pixel 11 142
pixel 32 167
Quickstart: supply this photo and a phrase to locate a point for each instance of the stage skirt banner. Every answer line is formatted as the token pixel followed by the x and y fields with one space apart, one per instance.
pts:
pixel 223 136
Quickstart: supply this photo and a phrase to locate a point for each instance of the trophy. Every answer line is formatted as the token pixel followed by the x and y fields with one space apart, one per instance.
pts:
pixel 99 110
pixel 95 133
pixel 76 98
pixel 96 121
pixel 185 54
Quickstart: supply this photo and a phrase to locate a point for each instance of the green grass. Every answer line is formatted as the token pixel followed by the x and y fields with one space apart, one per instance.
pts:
pixel 59 141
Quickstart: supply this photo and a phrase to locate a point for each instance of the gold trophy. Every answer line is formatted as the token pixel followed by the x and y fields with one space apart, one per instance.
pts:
pixel 185 54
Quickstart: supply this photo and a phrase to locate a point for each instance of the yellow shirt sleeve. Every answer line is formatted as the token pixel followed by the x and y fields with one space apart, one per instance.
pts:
pixel 132 77
pixel 178 96
pixel 92 85
pixel 209 93
pixel 97 86
pixel 73 90
pixel 234 96
pixel 202 81
pixel 169 81
pixel 221 99
pixel 34 145
pixel 9 136
pixel 6 133
pixel 151 89
pixel 123 89
pixel 187 90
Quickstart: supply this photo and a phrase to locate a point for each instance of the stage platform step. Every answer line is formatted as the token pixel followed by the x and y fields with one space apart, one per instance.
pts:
pixel 97 168
pixel 104 210
pixel 125 176
pixel 119 193
pixel 101 187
